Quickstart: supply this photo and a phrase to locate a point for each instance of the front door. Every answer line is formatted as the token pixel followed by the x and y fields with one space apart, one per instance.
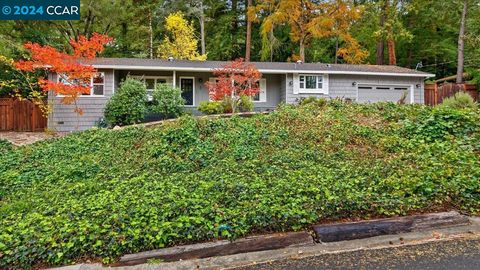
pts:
pixel 187 85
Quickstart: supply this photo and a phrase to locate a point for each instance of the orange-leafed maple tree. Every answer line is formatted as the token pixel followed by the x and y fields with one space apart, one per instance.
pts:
pixel 73 70
pixel 233 80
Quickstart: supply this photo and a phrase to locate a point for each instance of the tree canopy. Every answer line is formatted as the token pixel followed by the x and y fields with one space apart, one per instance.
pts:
pixel 401 32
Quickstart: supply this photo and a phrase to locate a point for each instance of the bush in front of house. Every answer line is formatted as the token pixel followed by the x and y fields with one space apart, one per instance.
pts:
pixel 128 105
pixel 167 101
pixel 313 100
pixel 211 107
pixel 244 104
pixel 461 100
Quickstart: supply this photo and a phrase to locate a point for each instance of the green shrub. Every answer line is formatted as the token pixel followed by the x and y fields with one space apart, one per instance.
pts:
pixel 313 100
pixel 442 122
pixel 461 100
pixel 5 146
pixel 245 104
pixel 211 107
pixel 101 193
pixel 128 105
pixel 167 101
pixel 227 105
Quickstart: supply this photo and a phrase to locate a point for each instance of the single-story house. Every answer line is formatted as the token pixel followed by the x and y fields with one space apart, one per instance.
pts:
pixel 281 83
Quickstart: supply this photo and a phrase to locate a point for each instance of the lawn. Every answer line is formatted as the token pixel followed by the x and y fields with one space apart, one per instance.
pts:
pixel 102 193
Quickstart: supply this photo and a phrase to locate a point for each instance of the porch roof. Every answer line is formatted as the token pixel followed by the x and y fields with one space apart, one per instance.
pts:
pixel 264 67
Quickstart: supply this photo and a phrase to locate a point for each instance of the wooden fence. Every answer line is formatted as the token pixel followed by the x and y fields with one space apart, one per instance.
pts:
pixel 21 115
pixel 435 93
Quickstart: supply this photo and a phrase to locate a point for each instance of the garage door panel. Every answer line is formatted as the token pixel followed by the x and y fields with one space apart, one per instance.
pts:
pixel 378 93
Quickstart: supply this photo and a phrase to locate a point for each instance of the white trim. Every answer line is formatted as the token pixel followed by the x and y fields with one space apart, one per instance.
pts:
pixel 262 95
pixel 286 86
pixel 113 82
pixel 91 95
pixel 193 90
pixel 151 77
pixel 92 84
pixel 265 71
pixel 411 86
pixel 174 81
pixel 304 90
pixel 144 79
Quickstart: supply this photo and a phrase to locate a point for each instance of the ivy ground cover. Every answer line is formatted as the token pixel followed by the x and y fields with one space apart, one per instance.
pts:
pixel 101 193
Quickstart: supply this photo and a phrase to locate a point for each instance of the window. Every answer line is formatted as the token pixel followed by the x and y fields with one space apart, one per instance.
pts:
pixel 97 84
pixel 151 82
pixel 187 85
pixel 311 83
pixel 262 95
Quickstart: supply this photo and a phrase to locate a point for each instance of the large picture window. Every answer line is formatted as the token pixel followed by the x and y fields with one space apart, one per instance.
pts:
pixel 152 81
pixel 311 83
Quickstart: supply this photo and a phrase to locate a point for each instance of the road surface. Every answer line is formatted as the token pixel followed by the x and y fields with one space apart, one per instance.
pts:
pixel 440 255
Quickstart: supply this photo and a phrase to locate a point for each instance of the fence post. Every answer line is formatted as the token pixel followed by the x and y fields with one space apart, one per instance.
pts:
pixel 435 95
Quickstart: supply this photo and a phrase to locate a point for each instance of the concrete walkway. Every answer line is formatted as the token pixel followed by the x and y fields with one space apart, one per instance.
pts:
pixel 24 138
pixel 254 259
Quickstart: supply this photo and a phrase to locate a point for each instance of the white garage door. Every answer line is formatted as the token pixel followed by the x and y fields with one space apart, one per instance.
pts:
pixel 377 93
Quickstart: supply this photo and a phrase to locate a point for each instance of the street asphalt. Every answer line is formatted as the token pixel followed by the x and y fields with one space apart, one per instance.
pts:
pixel 444 255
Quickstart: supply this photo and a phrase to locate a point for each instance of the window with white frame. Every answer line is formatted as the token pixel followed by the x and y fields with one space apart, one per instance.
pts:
pixel 97 83
pixel 261 96
pixel 151 83
pixel 311 83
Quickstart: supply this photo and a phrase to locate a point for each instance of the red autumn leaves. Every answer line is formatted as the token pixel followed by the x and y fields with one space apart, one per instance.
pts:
pixel 233 80
pixel 73 70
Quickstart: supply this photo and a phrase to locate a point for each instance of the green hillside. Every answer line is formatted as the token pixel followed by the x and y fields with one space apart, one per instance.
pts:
pixel 102 193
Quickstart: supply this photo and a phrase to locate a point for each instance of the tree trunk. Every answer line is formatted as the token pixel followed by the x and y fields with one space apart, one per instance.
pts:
pixel 248 42
pixel 461 43
pixel 202 33
pixel 202 28
pixel 392 57
pixel 235 16
pixel 150 33
pixel 381 40
pixel 410 57
pixel 336 50
pixel 302 50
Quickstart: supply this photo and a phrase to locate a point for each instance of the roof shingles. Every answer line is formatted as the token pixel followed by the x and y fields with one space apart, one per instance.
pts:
pixel 264 66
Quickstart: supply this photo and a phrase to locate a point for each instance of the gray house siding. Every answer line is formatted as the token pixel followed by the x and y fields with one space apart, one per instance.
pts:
pixel 273 82
pixel 279 87
pixel 283 88
pixel 63 118
pixel 346 86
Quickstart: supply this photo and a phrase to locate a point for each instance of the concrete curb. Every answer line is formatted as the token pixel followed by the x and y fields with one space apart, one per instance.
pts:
pixel 253 250
pixel 471 231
